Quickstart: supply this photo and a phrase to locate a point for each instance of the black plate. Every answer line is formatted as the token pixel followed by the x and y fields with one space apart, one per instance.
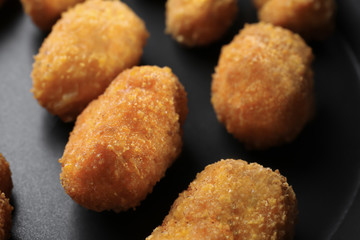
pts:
pixel 322 164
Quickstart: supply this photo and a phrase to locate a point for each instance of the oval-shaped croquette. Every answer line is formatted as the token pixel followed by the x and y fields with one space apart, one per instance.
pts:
pixel 262 88
pixel 123 142
pixel 198 23
pixel 232 199
pixel 6 184
pixel 312 19
pixel 87 48
pixel 44 13
pixel 5 217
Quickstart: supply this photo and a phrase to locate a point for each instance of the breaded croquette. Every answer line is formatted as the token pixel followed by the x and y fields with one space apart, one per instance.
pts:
pixel 6 184
pixel 124 141
pixel 198 23
pixel 87 48
pixel 5 192
pixel 313 19
pixel 5 217
pixel 44 13
pixel 232 199
pixel 262 88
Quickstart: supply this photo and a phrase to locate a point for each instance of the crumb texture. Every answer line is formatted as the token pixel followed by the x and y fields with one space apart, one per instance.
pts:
pixel 232 199
pixel 124 141
pixel 262 88
pixel 87 48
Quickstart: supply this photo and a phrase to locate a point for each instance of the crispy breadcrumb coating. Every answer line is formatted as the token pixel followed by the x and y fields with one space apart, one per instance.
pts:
pixel 232 199
pixel 87 48
pixel 262 88
pixel 124 141
pixel 6 184
pixel 44 13
pixel 5 217
pixel 199 22
pixel 313 19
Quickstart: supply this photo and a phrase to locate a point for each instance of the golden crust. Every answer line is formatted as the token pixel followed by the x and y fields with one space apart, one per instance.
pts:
pixel 313 19
pixel 87 48
pixel 5 217
pixel 199 22
pixel 262 88
pixel 124 141
pixel 232 199
pixel 44 13
pixel 6 184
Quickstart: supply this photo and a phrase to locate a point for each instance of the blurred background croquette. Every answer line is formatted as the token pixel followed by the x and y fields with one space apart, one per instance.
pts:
pixel 125 140
pixel 312 19
pixel 87 48
pixel 199 23
pixel 44 13
pixel 262 88
pixel 232 199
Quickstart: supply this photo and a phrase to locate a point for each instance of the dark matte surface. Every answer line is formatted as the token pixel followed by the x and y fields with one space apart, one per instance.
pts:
pixel 322 164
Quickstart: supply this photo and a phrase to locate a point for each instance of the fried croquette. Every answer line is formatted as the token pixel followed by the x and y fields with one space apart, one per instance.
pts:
pixel 87 48
pixel 313 19
pixel 44 13
pixel 5 217
pixel 6 184
pixel 232 199
pixel 262 88
pixel 5 192
pixel 124 141
pixel 199 23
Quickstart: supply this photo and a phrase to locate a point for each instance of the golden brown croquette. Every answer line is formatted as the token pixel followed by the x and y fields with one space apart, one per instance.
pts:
pixel 198 23
pixel 232 199
pixel 124 141
pixel 87 48
pixel 44 13
pixel 262 88
pixel 313 19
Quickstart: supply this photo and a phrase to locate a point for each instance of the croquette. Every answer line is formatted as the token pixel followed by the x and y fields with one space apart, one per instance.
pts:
pixel 6 184
pixel 199 23
pixel 232 199
pixel 5 192
pixel 262 88
pixel 5 217
pixel 124 141
pixel 313 19
pixel 44 13
pixel 87 48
